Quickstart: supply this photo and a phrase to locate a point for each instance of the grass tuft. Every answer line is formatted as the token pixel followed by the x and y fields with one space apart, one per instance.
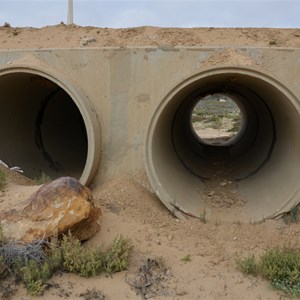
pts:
pixel 247 265
pixel 44 178
pixel 2 180
pixel 116 257
pixel 280 266
pixel 187 258
pixel 273 42
pixel 82 261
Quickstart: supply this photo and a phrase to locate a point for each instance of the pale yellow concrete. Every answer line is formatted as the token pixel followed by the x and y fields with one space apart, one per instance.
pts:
pixel 135 105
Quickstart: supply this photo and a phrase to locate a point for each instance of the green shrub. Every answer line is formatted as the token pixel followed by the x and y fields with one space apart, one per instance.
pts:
pixel 54 255
pixel 87 262
pixel 293 216
pixel 35 276
pixel 196 118
pixel 67 255
pixel 247 265
pixel 116 257
pixel 236 119
pixel 2 180
pixel 79 260
pixel 282 268
pixel 44 178
pixel 202 216
pixel 72 253
pixel 187 258
pixel 3 268
pixel 35 288
pixel 273 42
pixel 2 237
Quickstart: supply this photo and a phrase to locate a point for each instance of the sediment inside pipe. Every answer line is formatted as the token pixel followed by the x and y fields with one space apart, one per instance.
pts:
pixel 41 127
pixel 262 160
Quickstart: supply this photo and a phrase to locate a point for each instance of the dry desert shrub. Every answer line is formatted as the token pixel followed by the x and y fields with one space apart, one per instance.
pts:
pixel 35 263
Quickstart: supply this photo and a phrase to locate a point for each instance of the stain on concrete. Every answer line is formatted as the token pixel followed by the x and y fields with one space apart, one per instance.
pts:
pixel 143 98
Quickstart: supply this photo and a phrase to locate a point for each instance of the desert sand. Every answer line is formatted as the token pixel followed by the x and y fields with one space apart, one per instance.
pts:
pixel 130 209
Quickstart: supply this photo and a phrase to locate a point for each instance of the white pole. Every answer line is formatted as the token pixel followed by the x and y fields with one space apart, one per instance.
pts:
pixel 70 12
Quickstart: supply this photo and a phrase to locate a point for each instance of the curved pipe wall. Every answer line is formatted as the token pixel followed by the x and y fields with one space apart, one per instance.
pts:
pixel 47 126
pixel 262 158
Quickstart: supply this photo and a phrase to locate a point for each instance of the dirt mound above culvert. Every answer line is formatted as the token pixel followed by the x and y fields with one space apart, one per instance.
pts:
pixel 73 36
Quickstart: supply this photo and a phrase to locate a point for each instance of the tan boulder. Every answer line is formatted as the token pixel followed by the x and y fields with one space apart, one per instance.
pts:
pixel 57 207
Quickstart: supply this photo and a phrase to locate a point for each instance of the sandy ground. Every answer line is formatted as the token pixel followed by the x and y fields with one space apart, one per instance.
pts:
pixel 207 133
pixel 131 210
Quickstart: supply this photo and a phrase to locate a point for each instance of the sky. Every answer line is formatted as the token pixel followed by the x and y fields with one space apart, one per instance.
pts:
pixel 167 13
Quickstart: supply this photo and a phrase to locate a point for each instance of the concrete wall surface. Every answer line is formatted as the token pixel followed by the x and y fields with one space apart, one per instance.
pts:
pixel 131 102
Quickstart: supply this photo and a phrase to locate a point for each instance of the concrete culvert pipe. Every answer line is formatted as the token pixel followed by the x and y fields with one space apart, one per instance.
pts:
pixel 47 126
pixel 260 165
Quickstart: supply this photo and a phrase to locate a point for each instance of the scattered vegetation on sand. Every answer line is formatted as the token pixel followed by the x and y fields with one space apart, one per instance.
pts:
pixel 202 216
pixel 280 266
pixel 116 257
pixel 187 258
pixel 2 237
pixel 293 216
pixel 273 42
pixel 247 265
pixel 35 263
pixel 44 178
pixel 2 180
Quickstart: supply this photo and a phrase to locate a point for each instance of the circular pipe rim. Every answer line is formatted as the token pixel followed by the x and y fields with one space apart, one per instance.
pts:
pixel 153 178
pixel 85 108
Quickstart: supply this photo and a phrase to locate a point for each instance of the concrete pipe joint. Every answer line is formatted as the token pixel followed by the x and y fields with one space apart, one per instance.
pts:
pixel 261 162
pixel 48 125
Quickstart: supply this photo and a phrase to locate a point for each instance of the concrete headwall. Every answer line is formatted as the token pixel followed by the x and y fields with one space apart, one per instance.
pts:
pixel 135 104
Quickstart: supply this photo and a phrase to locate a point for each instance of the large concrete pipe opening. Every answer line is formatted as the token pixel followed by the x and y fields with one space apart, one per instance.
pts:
pixel 261 161
pixel 43 130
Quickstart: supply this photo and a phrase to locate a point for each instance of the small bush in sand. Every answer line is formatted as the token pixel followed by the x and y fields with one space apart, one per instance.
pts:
pixel 35 276
pixel 44 178
pixel 82 261
pixel 280 266
pixel 3 268
pixel 2 237
pixel 186 258
pixel 293 216
pixel 2 180
pixel 34 264
pixel 273 42
pixel 247 265
pixel 116 257
pixel 90 262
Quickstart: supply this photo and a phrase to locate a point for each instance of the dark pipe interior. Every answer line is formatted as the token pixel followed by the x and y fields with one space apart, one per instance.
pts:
pixel 42 130
pixel 199 157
